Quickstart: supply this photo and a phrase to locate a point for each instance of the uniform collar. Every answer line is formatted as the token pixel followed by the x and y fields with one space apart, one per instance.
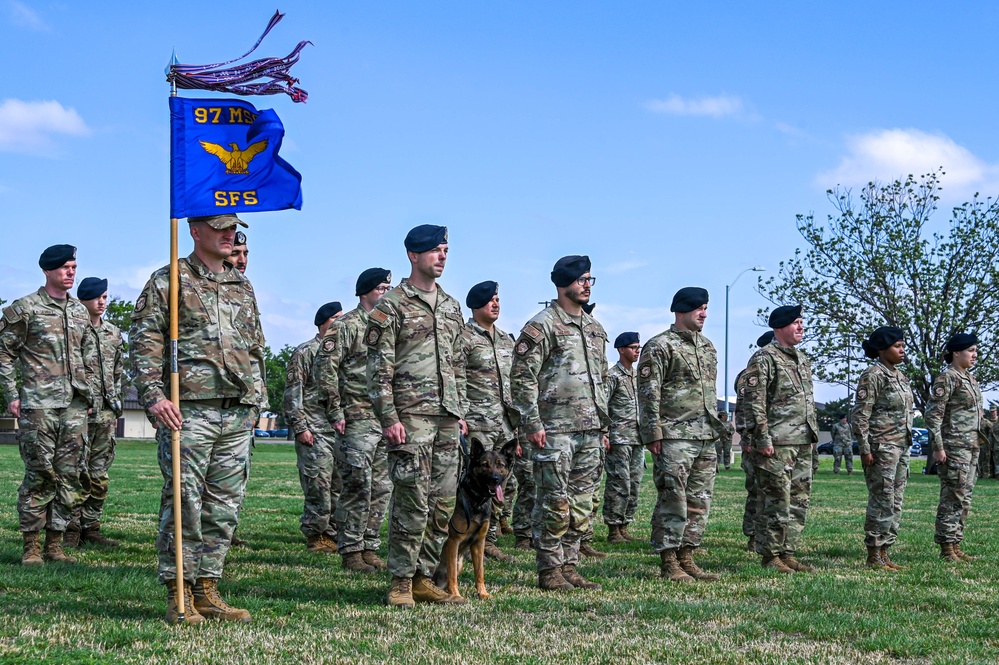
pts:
pixel 689 335
pixel 629 372
pixel 566 318
pixel 414 292
pixel 229 274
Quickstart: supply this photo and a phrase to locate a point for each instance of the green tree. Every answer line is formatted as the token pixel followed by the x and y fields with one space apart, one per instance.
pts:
pixel 878 261
pixel 830 412
pixel 119 312
pixel 277 367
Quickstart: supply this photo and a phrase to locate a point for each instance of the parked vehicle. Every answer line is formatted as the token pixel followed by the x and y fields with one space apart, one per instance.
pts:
pixel 920 442
pixel 279 433
pixel 260 433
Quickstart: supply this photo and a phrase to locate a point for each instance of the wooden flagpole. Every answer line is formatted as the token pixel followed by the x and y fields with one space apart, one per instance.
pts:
pixel 178 531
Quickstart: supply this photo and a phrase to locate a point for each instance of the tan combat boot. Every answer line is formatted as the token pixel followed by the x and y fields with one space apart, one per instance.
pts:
pixel 552 580
pixel 627 536
pixel 670 568
pixel 494 552
pixel 210 603
pixel 962 554
pixel 53 548
pixel 685 557
pixel 505 527
pixel 318 544
pixel 355 561
pixel 92 534
pixel 370 557
pixel 887 560
pixel 425 591
pixel 614 536
pixel 874 559
pixel 32 550
pixel 572 576
pixel 586 549
pixel 72 536
pixel 191 613
pixel 522 543
pixel 401 593
pixel 777 564
pixel 796 565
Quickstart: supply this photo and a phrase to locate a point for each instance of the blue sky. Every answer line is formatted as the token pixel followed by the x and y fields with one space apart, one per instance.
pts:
pixel 672 143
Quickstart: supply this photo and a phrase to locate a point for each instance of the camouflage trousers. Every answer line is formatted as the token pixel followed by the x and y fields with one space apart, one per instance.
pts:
pixel 214 446
pixel 815 460
pixel 523 506
pixel 424 475
pixel 53 445
pixel 684 474
pixel 100 432
pixel 493 441
pixel 564 474
pixel 625 467
pixel 598 474
pixel 785 485
pixel 886 480
pixel 320 482
pixel 723 451
pixel 843 452
pixel 957 483
pixel 752 508
pixel 362 462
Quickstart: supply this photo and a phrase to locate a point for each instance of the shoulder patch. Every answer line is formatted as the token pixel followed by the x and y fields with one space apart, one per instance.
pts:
pixel 861 393
pixel 3 324
pixel 329 343
pixel 248 286
pixel 753 381
pixel 522 347
pixel 378 316
pixel 289 377
pixel 16 308
pixel 938 391
pixel 140 303
pixel 533 332
pixel 373 335
pixel 645 371
pixel 12 315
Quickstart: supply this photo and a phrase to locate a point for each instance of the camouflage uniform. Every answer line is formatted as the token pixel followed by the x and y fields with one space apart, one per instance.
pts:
pixel 743 423
pixel 523 507
pixel 677 405
pixel 103 420
pixel 881 421
pixel 221 370
pixel 360 453
pixel 957 424
pixel 781 403
pixel 626 458
pixel 491 417
pixel 558 380
pixel 842 440
pixel 304 411
pixel 48 342
pixel 723 446
pixel 415 377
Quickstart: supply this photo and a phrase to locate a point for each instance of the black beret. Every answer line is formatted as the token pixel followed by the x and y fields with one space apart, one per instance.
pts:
pixel 240 239
pixel 881 339
pixel 56 256
pixel 91 287
pixel 784 316
pixel 961 341
pixel 688 299
pixel 425 237
pixel 480 294
pixel 326 311
pixel 589 307
pixel 626 339
pixel 765 338
pixel 219 222
pixel 371 278
pixel 570 268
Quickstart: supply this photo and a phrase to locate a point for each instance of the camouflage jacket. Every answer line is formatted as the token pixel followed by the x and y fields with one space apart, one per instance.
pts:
pixel 841 434
pixel 955 414
pixel 727 432
pixel 883 411
pixel 742 420
pixel 677 387
pixel 342 369
pixel 780 398
pixel 488 358
pixel 304 408
pixel 414 355
pixel 559 373
pixel 109 368
pixel 48 341
pixel 220 350
pixel 622 403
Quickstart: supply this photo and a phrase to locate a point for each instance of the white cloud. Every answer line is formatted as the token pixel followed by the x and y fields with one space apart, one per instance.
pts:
pixel 23 16
pixel 715 107
pixel 887 154
pixel 29 126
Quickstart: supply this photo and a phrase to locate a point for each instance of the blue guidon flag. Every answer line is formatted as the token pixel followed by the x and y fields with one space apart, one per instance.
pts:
pixel 224 158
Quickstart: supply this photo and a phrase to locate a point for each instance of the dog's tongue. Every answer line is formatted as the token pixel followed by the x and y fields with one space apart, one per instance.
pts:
pixel 499 493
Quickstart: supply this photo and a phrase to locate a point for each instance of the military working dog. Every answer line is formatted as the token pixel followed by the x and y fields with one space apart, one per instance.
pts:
pixel 481 484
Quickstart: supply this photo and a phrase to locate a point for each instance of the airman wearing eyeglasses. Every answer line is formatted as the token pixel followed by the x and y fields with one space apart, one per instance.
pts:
pixel 558 381
pixel 359 451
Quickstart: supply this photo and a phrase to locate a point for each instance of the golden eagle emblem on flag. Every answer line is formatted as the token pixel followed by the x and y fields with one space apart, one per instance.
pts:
pixel 236 161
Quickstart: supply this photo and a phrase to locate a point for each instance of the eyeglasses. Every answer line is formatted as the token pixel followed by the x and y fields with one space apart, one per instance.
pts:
pixel 586 281
pixel 382 289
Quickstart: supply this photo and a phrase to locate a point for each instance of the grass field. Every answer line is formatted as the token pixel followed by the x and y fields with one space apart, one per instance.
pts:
pixel 109 607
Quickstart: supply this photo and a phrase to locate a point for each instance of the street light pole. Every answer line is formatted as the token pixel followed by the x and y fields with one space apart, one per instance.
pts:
pixel 728 287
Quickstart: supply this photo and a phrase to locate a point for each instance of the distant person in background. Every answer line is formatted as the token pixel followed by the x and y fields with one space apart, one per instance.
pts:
pixel 842 440
pixel 723 447
pixel 625 461
pixel 956 420
pixel 882 423
pixel 744 426
pixel 239 258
